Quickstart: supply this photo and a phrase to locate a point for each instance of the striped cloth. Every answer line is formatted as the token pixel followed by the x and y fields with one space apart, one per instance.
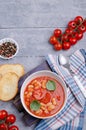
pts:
pixel 72 116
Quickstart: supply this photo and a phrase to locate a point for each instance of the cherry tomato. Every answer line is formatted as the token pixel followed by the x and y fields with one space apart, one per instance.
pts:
pixel 68 31
pixel 39 93
pixel 57 32
pixel 82 28
pixel 3 126
pixel 72 24
pixel 73 40
pixel 74 35
pixel 84 22
pixel 65 37
pixel 79 35
pixel 13 128
pixel 10 119
pixel 78 20
pixel 3 114
pixel 66 45
pixel 47 98
pixel 58 46
pixel 53 40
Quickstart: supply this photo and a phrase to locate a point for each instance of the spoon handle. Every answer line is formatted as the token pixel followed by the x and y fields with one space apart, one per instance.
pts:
pixel 80 85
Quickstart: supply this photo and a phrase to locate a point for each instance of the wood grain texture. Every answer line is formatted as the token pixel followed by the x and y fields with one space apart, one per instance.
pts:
pixel 39 13
pixel 31 23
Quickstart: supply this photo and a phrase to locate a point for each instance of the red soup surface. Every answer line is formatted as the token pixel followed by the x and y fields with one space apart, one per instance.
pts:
pixel 44 96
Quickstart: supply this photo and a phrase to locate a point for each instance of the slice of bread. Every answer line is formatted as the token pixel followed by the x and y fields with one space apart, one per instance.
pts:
pixel 15 68
pixel 8 86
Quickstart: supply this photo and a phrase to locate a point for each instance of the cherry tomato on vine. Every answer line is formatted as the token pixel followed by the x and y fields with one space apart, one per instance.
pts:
pixel 79 35
pixel 66 45
pixel 72 24
pixel 73 40
pixel 57 32
pixel 3 114
pixel 84 22
pixel 53 40
pixel 78 20
pixel 65 37
pixel 10 119
pixel 14 127
pixel 82 28
pixel 74 35
pixel 69 31
pixel 3 126
pixel 71 35
pixel 58 46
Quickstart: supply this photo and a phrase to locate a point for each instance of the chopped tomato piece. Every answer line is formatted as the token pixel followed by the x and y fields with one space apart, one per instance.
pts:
pixel 58 98
pixel 39 93
pixel 47 98
pixel 31 98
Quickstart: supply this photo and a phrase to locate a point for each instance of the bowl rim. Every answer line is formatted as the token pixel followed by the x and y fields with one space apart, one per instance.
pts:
pixel 25 84
pixel 9 40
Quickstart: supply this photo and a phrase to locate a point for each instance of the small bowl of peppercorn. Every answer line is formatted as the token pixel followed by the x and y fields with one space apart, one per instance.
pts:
pixel 8 48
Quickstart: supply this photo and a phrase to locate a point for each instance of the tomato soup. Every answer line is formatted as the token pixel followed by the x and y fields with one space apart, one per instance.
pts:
pixel 44 96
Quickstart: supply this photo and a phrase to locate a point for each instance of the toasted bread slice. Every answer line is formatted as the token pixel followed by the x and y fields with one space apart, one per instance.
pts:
pixel 8 86
pixel 16 68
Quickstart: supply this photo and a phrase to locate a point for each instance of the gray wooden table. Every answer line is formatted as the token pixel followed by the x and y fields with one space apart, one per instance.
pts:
pixel 31 23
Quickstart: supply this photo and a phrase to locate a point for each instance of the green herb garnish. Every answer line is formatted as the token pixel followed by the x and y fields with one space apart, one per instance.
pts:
pixel 35 105
pixel 50 85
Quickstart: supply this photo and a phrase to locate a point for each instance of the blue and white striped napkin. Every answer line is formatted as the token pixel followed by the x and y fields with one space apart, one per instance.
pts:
pixel 72 116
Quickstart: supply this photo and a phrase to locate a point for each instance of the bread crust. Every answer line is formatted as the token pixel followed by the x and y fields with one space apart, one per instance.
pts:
pixel 16 68
pixel 8 86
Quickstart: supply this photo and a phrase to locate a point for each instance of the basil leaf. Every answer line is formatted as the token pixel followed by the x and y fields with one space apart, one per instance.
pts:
pixel 50 85
pixel 35 105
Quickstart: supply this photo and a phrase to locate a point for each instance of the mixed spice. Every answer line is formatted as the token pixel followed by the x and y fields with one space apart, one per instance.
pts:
pixel 8 49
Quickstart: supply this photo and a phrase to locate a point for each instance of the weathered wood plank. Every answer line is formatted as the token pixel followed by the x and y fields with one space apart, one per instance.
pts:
pixel 28 62
pixel 39 13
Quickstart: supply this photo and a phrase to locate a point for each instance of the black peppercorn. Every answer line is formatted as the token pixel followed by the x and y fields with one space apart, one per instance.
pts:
pixel 8 49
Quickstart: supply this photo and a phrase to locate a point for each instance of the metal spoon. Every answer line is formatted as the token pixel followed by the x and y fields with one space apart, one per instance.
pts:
pixel 65 62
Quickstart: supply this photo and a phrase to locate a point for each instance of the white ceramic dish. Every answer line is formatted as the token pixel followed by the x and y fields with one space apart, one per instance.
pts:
pixel 38 74
pixel 12 41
